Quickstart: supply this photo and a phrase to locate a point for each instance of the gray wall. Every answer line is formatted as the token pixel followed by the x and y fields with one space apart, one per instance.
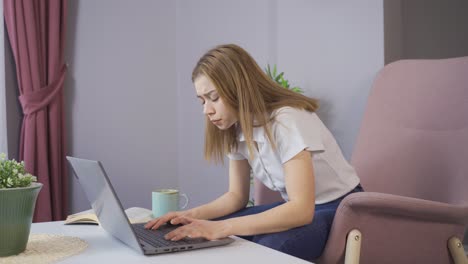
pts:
pixel 121 94
pixel 425 29
pixel 131 103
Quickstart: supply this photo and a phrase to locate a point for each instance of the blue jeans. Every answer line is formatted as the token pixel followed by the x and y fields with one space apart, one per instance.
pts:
pixel 305 242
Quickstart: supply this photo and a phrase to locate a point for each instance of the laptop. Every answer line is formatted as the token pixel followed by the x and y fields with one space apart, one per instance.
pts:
pixel 95 183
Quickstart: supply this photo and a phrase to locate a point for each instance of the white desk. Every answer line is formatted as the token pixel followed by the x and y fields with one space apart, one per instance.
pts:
pixel 103 248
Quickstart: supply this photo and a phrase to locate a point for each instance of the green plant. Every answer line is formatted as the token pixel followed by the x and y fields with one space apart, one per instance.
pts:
pixel 13 174
pixel 279 78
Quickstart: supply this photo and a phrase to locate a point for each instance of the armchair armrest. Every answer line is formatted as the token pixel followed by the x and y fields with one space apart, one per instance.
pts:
pixel 395 226
pixel 401 206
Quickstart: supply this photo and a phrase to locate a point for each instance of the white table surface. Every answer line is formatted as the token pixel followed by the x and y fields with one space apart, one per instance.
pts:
pixel 103 248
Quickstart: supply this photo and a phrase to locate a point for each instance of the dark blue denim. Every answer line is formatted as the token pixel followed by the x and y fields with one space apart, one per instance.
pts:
pixel 305 242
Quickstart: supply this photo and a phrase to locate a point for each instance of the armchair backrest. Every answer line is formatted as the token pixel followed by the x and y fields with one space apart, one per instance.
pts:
pixel 414 134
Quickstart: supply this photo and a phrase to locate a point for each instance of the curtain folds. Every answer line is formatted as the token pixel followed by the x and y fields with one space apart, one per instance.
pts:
pixel 36 29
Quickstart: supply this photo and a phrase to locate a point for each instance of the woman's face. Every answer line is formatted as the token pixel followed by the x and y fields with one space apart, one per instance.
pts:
pixel 213 106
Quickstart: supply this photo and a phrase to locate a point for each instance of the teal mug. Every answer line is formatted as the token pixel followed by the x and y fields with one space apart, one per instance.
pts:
pixel 166 200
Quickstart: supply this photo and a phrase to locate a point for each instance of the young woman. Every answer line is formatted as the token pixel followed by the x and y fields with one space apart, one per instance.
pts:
pixel 275 133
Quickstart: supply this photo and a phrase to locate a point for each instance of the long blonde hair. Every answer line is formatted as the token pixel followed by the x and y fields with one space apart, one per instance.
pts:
pixel 248 92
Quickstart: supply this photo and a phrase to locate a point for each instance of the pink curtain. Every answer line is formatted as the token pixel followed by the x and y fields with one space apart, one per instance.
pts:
pixel 36 29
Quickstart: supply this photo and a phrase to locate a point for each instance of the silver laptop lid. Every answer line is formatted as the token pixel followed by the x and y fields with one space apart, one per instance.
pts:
pixel 104 201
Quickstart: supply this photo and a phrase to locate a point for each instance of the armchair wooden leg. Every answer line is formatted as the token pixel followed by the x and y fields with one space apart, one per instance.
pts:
pixel 457 251
pixel 353 247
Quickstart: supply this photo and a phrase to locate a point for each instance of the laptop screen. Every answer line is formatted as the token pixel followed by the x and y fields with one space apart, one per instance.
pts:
pixel 104 201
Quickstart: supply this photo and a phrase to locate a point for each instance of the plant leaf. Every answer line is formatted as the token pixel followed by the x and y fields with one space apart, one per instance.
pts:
pixel 297 89
pixel 267 69
pixel 279 78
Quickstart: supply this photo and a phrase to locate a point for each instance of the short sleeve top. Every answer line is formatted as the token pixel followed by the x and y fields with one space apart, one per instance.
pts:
pixel 293 131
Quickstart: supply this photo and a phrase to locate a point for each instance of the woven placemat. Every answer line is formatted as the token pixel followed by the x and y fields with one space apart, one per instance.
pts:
pixel 47 248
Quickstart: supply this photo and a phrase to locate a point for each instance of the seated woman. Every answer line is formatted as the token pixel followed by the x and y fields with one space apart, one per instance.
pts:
pixel 276 133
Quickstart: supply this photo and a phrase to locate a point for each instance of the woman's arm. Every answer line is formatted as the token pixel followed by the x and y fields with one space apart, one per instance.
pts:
pixel 299 211
pixel 234 199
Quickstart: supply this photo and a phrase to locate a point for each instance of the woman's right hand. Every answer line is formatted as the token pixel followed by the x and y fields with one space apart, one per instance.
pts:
pixel 159 221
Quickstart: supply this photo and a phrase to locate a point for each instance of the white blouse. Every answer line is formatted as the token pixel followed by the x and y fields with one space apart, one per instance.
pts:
pixel 294 130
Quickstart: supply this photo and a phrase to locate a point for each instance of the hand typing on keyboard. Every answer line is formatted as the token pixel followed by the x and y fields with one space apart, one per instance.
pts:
pixel 190 227
pixel 196 228
pixel 166 219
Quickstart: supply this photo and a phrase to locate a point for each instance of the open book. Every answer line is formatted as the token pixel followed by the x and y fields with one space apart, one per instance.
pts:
pixel 134 214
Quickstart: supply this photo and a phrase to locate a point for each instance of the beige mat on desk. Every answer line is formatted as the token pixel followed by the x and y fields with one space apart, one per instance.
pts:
pixel 47 248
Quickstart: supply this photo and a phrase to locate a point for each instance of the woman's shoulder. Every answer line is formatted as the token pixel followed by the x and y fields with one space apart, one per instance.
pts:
pixel 291 117
pixel 291 113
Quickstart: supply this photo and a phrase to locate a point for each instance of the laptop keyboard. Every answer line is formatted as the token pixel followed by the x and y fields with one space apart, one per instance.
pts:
pixel 156 237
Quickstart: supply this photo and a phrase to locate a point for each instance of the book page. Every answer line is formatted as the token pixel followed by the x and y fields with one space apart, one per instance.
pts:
pixel 85 217
pixel 134 214
pixel 139 215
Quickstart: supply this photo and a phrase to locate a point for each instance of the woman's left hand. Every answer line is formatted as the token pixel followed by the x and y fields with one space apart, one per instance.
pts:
pixel 196 228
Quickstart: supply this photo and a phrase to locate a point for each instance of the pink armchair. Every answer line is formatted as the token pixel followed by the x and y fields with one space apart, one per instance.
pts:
pixel 412 157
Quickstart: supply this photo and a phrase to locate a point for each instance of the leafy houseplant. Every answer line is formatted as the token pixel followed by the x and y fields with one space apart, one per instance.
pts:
pixel 279 79
pixel 18 194
pixel 13 174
